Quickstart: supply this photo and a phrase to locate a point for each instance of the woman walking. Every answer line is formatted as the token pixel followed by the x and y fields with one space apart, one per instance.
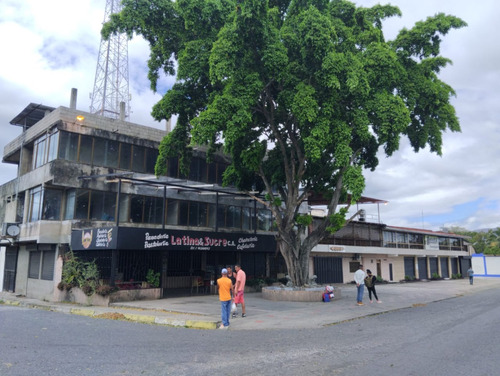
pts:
pixel 370 280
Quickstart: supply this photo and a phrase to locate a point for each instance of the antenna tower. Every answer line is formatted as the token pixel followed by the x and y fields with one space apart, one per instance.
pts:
pixel 111 76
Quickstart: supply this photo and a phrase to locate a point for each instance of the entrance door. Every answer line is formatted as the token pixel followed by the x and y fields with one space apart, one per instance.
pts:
pixel 9 276
pixel 328 269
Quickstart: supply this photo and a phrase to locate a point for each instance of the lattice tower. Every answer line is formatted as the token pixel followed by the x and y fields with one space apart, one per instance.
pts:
pixel 111 77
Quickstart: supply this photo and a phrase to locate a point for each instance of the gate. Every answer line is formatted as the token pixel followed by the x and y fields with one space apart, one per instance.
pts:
pixel 410 267
pixel 328 270
pixel 422 268
pixel 9 276
pixel 444 267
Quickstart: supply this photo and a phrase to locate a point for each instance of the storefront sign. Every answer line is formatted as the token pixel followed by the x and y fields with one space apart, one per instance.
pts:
pixel 158 239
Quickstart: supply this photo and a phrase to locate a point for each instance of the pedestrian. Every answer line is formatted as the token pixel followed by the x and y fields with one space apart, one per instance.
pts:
pixel 239 289
pixel 359 278
pixel 232 276
pixel 370 280
pixel 225 285
pixel 470 273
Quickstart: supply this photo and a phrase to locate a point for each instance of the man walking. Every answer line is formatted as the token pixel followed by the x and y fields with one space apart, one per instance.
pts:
pixel 239 289
pixel 225 285
pixel 470 273
pixel 359 278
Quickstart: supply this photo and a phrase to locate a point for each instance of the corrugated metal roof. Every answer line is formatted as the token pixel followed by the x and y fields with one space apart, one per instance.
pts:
pixel 31 115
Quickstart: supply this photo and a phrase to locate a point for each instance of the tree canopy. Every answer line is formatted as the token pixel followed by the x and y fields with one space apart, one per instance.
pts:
pixel 301 94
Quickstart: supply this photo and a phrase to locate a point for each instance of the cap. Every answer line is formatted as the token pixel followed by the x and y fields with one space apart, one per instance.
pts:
pixel 224 271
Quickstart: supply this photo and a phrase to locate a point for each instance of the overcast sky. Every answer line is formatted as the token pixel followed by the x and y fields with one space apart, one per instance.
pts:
pixel 51 46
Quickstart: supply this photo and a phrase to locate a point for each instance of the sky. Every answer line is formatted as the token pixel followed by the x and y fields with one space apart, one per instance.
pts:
pixel 51 46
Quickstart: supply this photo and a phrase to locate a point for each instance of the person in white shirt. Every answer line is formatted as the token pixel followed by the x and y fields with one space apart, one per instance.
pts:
pixel 359 278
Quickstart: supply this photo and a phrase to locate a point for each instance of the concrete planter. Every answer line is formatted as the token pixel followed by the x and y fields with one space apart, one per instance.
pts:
pixel 290 294
pixel 76 295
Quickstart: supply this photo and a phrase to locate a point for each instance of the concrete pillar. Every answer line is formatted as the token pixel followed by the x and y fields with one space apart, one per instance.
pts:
pixel 72 103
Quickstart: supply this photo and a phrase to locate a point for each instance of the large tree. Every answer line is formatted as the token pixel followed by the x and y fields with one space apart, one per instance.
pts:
pixel 301 93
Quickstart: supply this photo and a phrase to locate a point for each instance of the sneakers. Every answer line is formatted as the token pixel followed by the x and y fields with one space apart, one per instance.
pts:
pixel 223 327
pixel 243 315
pixel 379 301
pixel 360 303
pixel 233 315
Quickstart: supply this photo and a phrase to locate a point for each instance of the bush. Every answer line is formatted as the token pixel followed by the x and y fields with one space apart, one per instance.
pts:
pixel 456 276
pixel 435 276
pixel 76 273
pixel 153 278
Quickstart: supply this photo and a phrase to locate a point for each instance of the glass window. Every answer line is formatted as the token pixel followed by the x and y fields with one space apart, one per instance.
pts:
pixel 69 211
pixel 86 149
pixel 34 266
pixel 112 153
pixel 264 220
pixel 212 173
pixel 82 204
pixel 53 144
pixel 39 152
pixel 183 213
pixel 151 157
pixel 221 216
pixel 102 206
pixel 153 209
pixel 125 156
pixel 99 152
pixel 52 204
pixel 246 217
pixel 68 146
pixel 172 212
pixel 138 158
pixel 233 217
pixel 137 209
pixel 36 195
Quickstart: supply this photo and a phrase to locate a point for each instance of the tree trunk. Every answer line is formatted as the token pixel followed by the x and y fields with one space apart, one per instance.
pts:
pixel 297 267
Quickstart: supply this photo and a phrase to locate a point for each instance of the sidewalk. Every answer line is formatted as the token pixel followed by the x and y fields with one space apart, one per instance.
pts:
pixel 203 312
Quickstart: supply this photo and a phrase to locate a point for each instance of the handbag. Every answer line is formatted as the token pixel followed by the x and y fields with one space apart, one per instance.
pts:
pixel 233 307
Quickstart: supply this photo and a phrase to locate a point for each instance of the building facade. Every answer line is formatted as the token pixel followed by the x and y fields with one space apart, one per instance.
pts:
pixel 86 183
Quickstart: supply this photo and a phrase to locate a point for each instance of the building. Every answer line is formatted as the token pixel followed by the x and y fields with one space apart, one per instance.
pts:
pixel 85 183
pixel 393 253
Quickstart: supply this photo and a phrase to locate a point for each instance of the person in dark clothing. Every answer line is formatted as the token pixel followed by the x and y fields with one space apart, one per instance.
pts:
pixel 370 280
pixel 232 277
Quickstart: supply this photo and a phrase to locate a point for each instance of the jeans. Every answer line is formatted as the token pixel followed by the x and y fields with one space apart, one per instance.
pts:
pixel 471 280
pixel 361 290
pixel 225 312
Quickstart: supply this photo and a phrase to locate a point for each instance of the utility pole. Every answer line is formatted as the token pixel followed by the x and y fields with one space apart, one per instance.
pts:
pixel 111 78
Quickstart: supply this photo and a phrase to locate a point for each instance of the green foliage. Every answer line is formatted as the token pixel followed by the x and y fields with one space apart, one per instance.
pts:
pixel 486 242
pixel 153 278
pixel 301 94
pixel 409 278
pixel 435 276
pixel 77 273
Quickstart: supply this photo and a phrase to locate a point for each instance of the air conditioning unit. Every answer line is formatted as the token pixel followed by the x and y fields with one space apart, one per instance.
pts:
pixel 10 229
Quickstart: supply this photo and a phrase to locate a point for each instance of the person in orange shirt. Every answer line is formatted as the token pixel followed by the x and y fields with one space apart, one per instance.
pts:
pixel 239 289
pixel 225 286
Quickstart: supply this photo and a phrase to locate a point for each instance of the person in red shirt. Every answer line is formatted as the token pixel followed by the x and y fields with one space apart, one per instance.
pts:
pixel 239 289
pixel 225 286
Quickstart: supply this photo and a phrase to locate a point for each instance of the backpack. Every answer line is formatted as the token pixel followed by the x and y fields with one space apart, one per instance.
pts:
pixel 368 281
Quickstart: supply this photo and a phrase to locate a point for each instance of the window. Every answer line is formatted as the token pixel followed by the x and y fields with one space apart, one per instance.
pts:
pixel 102 206
pixel 39 152
pixel 34 267
pixel 264 220
pixel 68 146
pixel 35 208
pixel 52 204
pixel 41 265
pixel 138 158
pixel 82 204
pixel 151 157
pixel 125 156
pixel 172 212
pixel 69 211
pixel 86 145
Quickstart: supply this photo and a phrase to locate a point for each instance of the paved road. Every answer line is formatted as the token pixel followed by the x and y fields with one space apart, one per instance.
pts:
pixel 452 336
pixel 203 311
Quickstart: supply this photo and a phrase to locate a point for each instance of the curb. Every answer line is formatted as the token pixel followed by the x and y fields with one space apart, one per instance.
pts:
pixel 115 315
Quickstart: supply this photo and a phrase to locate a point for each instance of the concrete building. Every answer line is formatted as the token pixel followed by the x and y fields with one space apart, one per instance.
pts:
pixel 87 183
